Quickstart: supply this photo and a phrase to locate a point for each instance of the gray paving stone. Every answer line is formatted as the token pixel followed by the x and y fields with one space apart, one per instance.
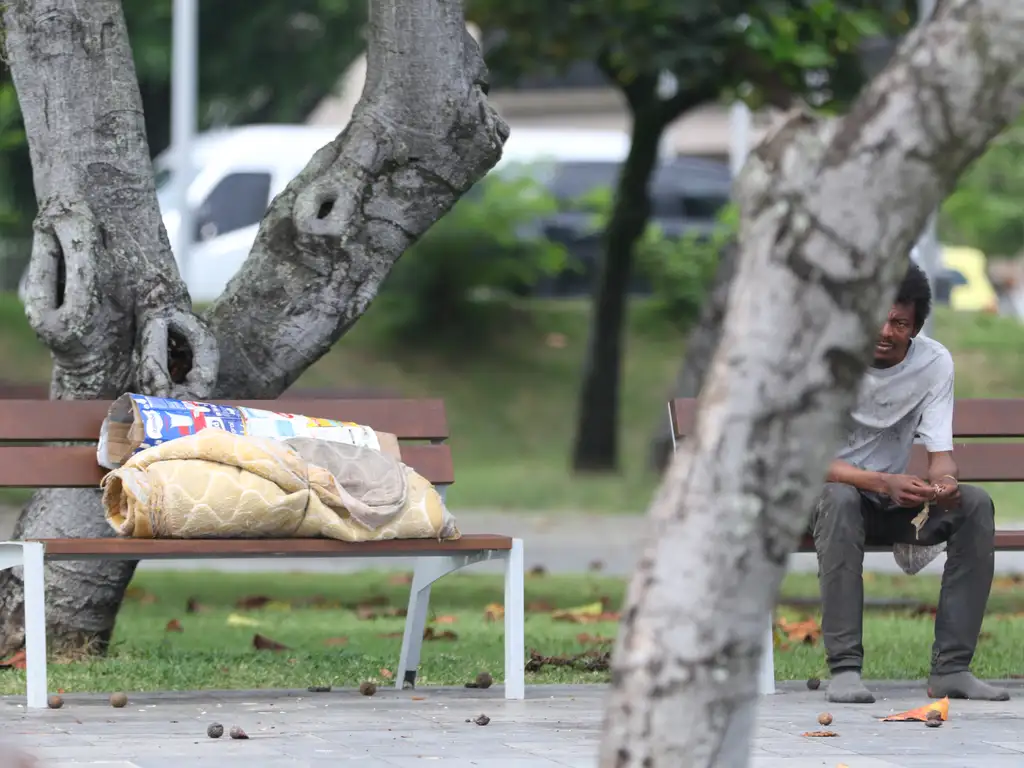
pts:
pixel 558 727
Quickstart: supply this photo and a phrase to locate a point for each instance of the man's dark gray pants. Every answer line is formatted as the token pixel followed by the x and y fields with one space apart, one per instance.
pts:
pixel 845 520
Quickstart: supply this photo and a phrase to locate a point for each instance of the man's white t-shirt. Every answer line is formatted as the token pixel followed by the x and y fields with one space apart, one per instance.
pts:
pixel 912 398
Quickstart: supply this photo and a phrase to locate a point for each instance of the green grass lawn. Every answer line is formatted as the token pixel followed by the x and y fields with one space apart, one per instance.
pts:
pixel 339 633
pixel 512 403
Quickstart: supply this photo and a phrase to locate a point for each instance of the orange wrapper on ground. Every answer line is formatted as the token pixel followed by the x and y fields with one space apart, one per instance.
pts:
pixel 921 713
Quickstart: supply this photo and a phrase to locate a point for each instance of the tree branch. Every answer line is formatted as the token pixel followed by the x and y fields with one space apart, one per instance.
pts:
pixel 421 136
pixel 829 211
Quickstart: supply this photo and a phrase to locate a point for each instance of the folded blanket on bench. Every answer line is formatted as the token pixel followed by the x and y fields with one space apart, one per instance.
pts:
pixel 215 484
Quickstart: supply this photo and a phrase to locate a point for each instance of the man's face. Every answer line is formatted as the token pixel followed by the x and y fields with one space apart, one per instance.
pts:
pixel 894 340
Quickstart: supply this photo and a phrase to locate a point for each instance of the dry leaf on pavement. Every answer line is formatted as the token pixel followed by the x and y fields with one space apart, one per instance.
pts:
pixel 920 715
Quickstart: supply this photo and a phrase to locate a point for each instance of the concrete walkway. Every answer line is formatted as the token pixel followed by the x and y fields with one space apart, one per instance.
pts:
pixel 563 542
pixel 555 726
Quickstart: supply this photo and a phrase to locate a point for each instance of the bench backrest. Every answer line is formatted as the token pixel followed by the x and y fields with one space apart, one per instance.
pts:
pixel 977 461
pixel 420 425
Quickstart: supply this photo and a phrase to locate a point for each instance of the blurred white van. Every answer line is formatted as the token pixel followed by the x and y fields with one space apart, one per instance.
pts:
pixel 236 172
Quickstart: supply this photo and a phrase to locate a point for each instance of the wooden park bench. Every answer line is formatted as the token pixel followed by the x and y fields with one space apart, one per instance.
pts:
pixel 420 425
pixel 978 462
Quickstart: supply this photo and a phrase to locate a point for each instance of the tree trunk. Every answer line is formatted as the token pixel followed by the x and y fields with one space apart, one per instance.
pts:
pixel 700 349
pixel 104 292
pixel 829 210
pixel 596 446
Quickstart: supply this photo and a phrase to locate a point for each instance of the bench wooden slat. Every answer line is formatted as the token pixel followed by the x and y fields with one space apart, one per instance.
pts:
pixel 1006 541
pixel 78 420
pixel 993 417
pixel 142 549
pixel 977 462
pixel 28 466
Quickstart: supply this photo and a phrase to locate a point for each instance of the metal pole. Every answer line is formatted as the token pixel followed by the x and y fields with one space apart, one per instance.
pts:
pixel 928 246
pixel 184 90
pixel 739 136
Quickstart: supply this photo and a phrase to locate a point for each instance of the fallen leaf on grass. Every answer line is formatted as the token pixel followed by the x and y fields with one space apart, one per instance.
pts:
pixel 400 579
pixel 444 620
pixel 819 734
pixel 432 634
pixel 494 611
pixel 335 641
pixel 386 673
pixel 252 602
pixel 537 570
pixel 588 661
pixel 263 643
pixel 234 620
pixel 586 614
pixel 194 606
pixel 807 631
pixel 925 610
pixel 17 661
pixel 174 626
pixel 1010 582
pixel 920 715
pixel 369 612
pixel 539 606
pixel 584 639
pixel 139 594
pixel 389 635
pixel 321 602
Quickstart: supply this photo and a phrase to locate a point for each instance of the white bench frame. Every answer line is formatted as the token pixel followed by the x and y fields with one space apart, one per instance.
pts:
pixel 766 676
pixel 31 555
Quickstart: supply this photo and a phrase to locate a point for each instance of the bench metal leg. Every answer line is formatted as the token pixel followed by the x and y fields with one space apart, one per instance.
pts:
pixel 515 619
pixel 29 555
pixel 766 684
pixel 428 570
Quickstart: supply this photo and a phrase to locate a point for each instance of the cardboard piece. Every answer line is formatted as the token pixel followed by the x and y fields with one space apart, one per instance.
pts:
pixel 136 422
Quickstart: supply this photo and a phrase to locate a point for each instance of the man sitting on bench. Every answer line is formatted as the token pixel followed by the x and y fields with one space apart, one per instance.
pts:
pixel 868 499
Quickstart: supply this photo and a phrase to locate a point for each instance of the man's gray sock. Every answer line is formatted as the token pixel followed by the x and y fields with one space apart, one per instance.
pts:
pixel 846 687
pixel 964 685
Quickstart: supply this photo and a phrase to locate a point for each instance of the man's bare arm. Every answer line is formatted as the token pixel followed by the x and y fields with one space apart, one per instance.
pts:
pixel 847 474
pixel 942 469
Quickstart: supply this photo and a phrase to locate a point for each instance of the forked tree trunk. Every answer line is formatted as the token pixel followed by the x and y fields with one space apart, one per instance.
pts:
pixel 103 290
pixel 829 211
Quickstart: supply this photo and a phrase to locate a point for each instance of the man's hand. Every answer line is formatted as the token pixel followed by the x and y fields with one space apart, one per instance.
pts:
pixel 947 492
pixel 908 491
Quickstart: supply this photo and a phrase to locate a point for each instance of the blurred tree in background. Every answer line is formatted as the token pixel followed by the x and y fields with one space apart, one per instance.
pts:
pixel 985 210
pixel 667 58
pixel 267 61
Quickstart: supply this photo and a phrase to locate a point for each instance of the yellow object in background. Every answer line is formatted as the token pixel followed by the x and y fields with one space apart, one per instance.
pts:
pixel 977 294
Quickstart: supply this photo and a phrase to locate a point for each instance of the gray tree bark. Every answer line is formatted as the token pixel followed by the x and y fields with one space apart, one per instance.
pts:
pixel 103 290
pixel 830 208
pixel 701 345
